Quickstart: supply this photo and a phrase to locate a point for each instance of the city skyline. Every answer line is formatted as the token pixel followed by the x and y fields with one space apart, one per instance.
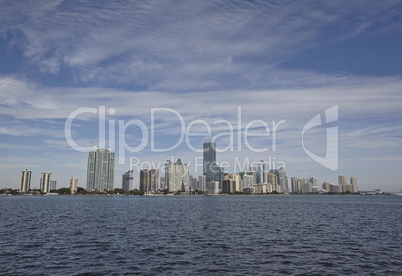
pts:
pixel 286 62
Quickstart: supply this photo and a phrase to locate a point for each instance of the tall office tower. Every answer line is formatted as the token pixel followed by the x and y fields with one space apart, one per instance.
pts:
pixel 342 183
pixel 282 180
pixel 162 182
pixel 45 182
pixel 202 183
pixel 127 181
pixel 313 180
pixel 149 180
pixel 25 181
pixel 295 185
pixel 177 176
pixel 100 176
pixel 273 180
pixel 73 185
pixel 305 186
pixel 262 169
pixel 209 162
pixel 353 182
pixel 248 181
pixel 53 185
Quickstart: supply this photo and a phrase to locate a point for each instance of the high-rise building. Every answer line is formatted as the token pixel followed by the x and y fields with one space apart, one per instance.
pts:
pixel 209 162
pixel 100 176
pixel 313 180
pixel 353 182
pixel 295 182
pixel 73 185
pixel 45 182
pixel 202 183
pixel 282 180
pixel 342 183
pixel 149 180
pixel 262 171
pixel 273 180
pixel 53 185
pixel 25 181
pixel 127 181
pixel 177 176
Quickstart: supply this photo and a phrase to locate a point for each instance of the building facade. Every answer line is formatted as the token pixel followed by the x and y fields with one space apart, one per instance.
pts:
pixel 149 180
pixel 100 174
pixel 25 181
pixel 45 182
pixel 209 161
pixel 128 181
pixel 353 182
pixel 177 176
pixel 53 185
pixel 342 183
pixel 202 183
pixel 73 185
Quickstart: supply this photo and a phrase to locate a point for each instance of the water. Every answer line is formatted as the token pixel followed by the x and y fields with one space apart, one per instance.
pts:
pixel 117 235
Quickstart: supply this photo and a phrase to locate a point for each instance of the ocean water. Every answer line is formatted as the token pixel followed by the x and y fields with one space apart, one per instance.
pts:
pixel 200 235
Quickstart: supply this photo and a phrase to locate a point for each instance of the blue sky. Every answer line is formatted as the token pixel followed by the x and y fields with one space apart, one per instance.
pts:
pixel 277 60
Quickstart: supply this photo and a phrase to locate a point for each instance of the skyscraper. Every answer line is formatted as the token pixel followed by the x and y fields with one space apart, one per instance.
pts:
pixel 73 185
pixel 202 183
pixel 342 182
pixel 100 174
pixel 209 163
pixel 127 181
pixel 353 182
pixel 149 180
pixel 273 180
pixel 45 182
pixel 25 181
pixel 282 180
pixel 262 170
pixel 177 176
pixel 295 185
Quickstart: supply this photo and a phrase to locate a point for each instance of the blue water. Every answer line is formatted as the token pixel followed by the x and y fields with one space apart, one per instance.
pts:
pixel 182 235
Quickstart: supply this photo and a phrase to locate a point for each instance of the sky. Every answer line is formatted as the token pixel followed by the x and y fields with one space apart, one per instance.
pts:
pixel 144 77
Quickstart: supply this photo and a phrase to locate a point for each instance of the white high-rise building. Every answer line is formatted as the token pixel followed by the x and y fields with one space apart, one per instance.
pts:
pixel 100 176
pixel 342 183
pixel 177 176
pixel 25 181
pixel 45 182
pixel 353 182
pixel 202 183
pixel 73 185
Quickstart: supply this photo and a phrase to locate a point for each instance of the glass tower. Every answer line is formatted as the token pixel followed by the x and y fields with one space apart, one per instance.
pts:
pixel 209 164
pixel 100 175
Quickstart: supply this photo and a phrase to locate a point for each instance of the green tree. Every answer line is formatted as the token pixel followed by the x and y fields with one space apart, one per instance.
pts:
pixel 63 191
